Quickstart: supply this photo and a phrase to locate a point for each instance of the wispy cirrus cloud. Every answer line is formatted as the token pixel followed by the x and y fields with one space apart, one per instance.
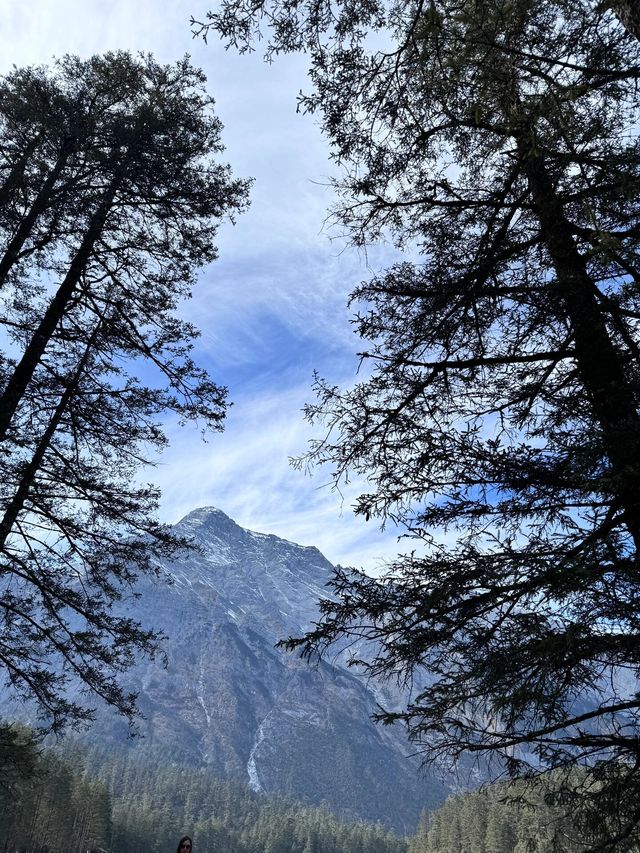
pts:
pixel 245 472
pixel 273 307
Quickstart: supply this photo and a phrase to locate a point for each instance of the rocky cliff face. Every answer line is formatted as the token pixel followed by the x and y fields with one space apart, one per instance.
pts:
pixel 231 700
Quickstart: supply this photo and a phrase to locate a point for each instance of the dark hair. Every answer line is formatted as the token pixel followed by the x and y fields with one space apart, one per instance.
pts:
pixel 182 840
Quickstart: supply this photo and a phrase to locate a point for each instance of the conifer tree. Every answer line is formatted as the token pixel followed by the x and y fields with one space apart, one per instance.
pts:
pixel 113 196
pixel 498 421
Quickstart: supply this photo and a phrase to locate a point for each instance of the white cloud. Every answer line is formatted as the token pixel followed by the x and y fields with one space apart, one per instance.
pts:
pixel 245 472
pixel 304 291
pixel 274 306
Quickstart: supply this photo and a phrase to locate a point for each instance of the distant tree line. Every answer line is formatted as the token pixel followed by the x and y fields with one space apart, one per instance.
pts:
pixel 77 798
pixel 500 818
pixel 72 798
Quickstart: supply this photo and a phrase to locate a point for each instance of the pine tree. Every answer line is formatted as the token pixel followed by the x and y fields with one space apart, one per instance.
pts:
pixel 498 420
pixel 114 195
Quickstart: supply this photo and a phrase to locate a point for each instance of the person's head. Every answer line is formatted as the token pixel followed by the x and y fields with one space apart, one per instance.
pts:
pixel 184 845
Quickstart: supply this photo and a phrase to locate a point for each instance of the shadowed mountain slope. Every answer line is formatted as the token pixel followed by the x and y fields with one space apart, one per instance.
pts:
pixel 230 700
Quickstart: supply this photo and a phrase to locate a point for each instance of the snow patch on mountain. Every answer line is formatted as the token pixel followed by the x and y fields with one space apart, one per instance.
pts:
pixel 252 770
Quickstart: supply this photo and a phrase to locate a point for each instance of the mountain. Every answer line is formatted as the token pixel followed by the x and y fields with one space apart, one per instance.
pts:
pixel 230 700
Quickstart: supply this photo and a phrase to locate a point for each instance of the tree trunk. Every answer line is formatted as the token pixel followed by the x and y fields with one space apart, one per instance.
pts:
pixel 38 207
pixel 17 385
pixel 628 13
pixel 30 470
pixel 17 172
pixel 598 362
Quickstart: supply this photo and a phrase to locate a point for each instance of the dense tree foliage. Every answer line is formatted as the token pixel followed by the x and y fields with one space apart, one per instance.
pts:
pixel 81 798
pixel 56 806
pixel 111 194
pixel 498 819
pixel 86 797
pixel 498 416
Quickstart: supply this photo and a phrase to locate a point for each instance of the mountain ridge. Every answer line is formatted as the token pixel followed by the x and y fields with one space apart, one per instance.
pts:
pixel 229 699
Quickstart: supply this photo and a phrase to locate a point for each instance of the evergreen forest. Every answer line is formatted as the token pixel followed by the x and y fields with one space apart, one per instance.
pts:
pixel 74 798
pixel 77 799
pixel 500 818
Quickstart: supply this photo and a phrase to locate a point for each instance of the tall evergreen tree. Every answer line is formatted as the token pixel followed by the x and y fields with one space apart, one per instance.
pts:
pixel 498 139
pixel 114 194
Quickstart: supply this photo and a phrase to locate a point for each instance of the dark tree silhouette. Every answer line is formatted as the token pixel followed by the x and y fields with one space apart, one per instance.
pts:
pixel 500 405
pixel 112 195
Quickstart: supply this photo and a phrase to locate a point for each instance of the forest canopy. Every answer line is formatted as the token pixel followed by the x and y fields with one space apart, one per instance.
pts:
pixel 88 797
pixel 85 798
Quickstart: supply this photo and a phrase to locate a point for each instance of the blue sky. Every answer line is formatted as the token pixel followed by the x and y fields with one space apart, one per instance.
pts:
pixel 273 307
